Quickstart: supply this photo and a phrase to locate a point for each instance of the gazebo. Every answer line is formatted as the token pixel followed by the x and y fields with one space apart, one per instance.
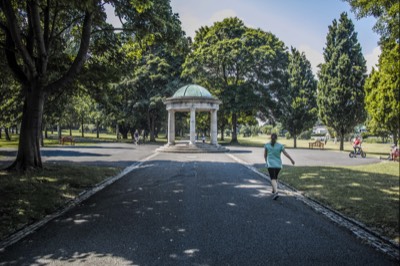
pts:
pixel 192 98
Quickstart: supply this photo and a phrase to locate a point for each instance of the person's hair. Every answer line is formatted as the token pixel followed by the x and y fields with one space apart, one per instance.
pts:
pixel 274 137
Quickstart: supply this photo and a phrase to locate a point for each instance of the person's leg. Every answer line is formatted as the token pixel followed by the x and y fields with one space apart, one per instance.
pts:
pixel 273 173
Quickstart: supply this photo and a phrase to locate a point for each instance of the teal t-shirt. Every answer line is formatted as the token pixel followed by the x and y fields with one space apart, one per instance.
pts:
pixel 274 155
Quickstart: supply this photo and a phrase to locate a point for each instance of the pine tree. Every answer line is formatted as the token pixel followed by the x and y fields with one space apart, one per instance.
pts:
pixel 341 79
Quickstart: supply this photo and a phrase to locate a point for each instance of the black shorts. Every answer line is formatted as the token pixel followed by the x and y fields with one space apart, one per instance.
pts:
pixel 273 172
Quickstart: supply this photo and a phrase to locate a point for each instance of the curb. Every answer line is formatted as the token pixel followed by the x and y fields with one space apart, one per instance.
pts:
pixel 357 228
pixel 69 205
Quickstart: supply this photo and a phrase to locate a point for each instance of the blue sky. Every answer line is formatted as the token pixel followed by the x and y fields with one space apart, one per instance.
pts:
pixel 299 23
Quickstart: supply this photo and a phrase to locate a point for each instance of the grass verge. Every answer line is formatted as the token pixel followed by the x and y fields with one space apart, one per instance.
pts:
pixel 26 198
pixel 367 193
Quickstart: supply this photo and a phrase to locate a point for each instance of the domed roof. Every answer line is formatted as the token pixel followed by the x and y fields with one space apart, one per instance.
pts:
pixel 192 90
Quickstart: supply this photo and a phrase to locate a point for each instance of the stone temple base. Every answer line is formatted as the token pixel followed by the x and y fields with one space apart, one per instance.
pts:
pixel 185 147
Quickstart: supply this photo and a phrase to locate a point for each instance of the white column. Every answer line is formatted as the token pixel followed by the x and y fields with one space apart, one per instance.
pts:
pixel 214 128
pixel 192 125
pixel 171 127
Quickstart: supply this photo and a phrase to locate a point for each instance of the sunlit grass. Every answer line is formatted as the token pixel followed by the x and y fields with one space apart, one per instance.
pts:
pixel 372 149
pixel 368 193
pixel 88 139
pixel 26 198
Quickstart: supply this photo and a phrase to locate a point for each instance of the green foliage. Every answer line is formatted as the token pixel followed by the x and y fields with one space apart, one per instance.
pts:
pixel 382 88
pixel 241 66
pixel 341 79
pixel 298 103
pixel 266 129
pixel 305 134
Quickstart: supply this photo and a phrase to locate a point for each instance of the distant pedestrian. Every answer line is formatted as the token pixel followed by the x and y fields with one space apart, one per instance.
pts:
pixel 136 135
pixel 272 156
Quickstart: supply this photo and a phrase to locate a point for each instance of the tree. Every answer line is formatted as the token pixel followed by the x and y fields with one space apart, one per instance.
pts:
pixel 46 45
pixel 341 79
pixel 299 104
pixel 238 64
pixel 383 85
pixel 382 101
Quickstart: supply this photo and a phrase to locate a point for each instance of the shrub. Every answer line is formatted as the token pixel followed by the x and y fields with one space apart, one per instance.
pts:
pixel 287 135
pixel 266 129
pixel 305 134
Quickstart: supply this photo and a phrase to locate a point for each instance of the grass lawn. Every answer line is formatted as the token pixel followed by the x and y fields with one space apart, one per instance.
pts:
pixel 367 193
pixel 26 198
pixel 372 149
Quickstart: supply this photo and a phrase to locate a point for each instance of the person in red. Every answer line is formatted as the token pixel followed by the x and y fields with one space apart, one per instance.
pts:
pixel 394 153
pixel 356 145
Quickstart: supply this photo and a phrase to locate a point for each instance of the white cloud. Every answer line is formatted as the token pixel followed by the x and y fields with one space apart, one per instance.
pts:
pixel 190 23
pixel 372 58
pixel 222 14
pixel 315 57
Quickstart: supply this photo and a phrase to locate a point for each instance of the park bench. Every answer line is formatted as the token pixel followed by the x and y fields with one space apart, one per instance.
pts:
pixel 317 144
pixel 65 139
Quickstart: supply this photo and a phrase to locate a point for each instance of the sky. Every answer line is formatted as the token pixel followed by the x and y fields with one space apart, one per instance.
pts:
pixel 302 24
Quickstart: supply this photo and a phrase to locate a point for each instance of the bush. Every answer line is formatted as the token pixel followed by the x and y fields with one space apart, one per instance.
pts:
pixel 255 130
pixel 364 135
pixel 305 135
pixel 266 129
pixel 245 131
pixel 287 135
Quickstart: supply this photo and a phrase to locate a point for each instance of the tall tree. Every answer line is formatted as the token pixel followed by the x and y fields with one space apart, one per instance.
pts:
pixel 46 45
pixel 341 79
pixel 383 85
pixel 238 64
pixel 299 103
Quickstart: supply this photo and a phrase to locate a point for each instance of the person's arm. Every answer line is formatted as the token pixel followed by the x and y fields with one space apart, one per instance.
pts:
pixel 288 156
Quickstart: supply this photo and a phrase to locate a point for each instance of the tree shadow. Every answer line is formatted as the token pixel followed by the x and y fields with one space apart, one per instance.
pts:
pixel 189 213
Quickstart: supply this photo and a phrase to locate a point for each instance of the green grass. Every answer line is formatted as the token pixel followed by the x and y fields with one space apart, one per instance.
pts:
pixel 372 149
pixel 26 198
pixel 368 193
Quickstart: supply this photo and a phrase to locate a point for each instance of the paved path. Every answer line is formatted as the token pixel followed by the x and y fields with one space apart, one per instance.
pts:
pixel 189 209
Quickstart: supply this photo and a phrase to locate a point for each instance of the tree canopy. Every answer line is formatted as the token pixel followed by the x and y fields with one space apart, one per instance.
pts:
pixel 240 65
pixel 341 79
pixel 46 44
pixel 298 104
pixel 383 85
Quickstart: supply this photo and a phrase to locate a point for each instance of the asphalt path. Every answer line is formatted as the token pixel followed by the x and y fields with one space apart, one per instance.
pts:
pixel 191 209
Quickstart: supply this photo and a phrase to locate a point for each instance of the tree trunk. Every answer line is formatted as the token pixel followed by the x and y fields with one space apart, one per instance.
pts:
pixel 295 141
pixel 124 131
pixel 152 129
pixel 28 156
pixel 70 130
pixel 83 130
pixel 7 134
pixel 46 135
pixel 341 140
pixel 234 128
pixel 0 132
pixel 16 130
pixel 97 129
pixel 59 131
pixel 151 123
pixel 41 138
pixel 222 132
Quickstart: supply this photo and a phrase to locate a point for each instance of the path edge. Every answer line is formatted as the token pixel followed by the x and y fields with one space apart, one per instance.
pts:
pixel 361 231
pixel 84 195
